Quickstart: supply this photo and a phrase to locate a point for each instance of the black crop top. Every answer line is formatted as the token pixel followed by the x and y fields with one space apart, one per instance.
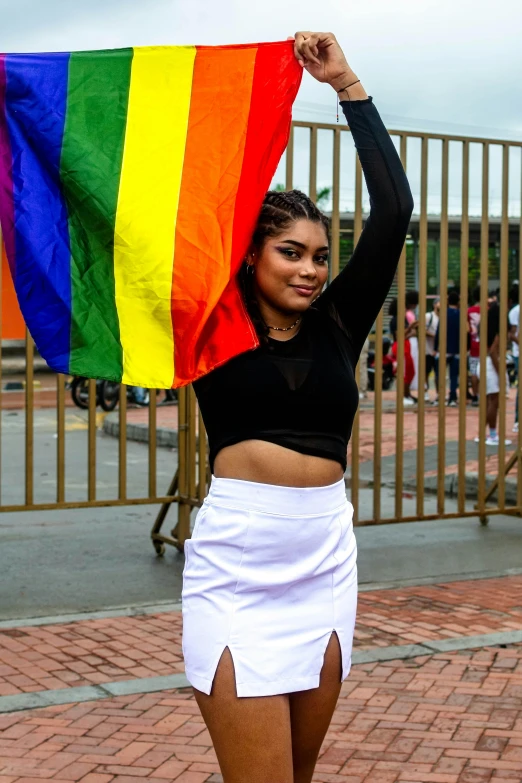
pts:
pixel 301 393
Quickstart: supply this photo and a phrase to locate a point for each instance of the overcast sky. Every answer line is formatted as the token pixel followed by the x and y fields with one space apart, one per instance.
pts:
pixel 453 65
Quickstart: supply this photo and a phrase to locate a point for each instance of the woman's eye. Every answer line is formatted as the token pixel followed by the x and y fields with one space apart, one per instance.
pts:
pixel 321 260
pixel 289 253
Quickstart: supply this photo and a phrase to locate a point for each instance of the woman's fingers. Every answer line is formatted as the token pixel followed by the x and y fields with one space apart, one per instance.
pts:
pixel 299 40
pixel 304 47
pixel 310 51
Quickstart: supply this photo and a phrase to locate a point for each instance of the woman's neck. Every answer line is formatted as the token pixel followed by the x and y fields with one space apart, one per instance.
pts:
pixel 279 322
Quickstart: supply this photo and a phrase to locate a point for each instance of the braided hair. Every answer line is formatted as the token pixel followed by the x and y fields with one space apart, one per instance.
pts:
pixel 279 210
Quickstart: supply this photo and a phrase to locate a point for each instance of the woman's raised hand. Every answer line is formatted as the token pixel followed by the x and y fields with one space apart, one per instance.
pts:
pixel 322 57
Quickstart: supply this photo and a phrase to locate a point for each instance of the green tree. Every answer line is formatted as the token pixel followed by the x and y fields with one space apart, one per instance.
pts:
pixel 323 196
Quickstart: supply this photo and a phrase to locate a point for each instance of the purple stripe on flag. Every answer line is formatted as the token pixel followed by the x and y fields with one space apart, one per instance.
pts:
pixel 35 106
pixel 6 181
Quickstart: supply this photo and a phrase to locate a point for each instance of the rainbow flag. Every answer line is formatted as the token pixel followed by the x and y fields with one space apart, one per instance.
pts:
pixel 130 183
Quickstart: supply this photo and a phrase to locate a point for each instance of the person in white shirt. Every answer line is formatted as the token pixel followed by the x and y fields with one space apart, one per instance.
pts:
pixel 432 322
pixel 514 320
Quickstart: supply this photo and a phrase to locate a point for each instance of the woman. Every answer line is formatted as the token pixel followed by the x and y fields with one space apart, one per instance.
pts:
pixel 412 302
pixel 270 578
pixel 409 366
pixel 432 324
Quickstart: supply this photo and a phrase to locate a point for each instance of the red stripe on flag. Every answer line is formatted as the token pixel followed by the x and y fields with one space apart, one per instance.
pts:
pixel 277 77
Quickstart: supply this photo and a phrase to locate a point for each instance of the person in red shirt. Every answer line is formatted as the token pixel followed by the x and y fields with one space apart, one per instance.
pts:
pixel 474 350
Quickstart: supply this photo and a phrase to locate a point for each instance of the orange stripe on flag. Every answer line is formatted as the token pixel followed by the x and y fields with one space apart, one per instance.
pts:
pixel 217 130
pixel 13 326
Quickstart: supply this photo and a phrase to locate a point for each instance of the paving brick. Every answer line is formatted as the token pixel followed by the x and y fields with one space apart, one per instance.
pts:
pixel 170 769
pixel 473 775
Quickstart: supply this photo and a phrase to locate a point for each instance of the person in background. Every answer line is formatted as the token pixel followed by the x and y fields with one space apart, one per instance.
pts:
pixel 409 368
pixel 452 346
pixel 474 344
pixel 432 324
pixel 141 395
pixel 412 301
pixel 363 370
pixel 492 374
pixel 514 321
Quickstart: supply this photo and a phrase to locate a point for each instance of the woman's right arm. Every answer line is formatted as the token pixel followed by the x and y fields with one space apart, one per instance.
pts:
pixel 356 296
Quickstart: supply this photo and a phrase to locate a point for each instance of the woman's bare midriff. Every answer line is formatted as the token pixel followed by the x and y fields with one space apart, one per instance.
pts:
pixel 268 463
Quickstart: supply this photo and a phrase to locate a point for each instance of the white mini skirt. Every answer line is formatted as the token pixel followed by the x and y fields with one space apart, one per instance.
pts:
pixel 270 572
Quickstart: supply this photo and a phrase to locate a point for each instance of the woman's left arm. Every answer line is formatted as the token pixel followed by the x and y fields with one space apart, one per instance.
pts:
pixel 356 296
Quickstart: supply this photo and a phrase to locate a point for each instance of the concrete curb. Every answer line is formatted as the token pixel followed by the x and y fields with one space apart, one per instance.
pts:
pixel 140 432
pixel 451 487
pixel 41 699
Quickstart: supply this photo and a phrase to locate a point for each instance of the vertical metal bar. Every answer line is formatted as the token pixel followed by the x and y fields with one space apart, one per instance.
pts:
pixel 182 440
pixel 289 179
pixel 312 187
pixel 29 419
pixel 399 419
pixel 484 272
pixel 183 526
pixel 336 218
pixel 202 459
pixel 122 443
pixel 355 439
pixel 60 438
pixel 377 418
pixel 91 435
pixel 463 341
pixel 191 442
pixel 443 331
pixel 504 252
pixel 152 442
pixel 423 280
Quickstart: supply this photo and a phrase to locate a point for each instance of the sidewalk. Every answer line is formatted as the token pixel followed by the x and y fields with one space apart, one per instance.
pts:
pixel 434 696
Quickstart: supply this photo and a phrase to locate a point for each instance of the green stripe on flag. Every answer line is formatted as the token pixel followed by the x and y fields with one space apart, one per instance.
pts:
pixel 92 154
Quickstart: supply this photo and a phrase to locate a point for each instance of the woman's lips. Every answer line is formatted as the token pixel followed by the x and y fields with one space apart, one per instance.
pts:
pixel 303 290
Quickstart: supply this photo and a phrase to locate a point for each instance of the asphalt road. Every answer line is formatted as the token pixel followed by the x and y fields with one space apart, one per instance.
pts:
pixel 59 562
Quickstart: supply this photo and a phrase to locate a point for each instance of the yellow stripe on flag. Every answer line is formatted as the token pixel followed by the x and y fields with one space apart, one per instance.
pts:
pixel 157 121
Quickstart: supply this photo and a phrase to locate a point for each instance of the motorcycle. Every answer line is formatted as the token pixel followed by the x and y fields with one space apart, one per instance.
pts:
pixel 79 388
pixel 110 395
pixel 388 370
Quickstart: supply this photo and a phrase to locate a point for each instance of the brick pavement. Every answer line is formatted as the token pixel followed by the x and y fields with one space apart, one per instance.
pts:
pixel 45 657
pixel 446 718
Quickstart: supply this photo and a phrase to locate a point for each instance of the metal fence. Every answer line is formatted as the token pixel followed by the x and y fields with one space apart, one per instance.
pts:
pixel 385 442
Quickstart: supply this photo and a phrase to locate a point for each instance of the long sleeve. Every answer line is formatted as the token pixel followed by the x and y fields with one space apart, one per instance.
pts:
pixel 356 296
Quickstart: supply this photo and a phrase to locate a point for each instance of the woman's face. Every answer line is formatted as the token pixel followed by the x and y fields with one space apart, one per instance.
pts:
pixel 292 268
